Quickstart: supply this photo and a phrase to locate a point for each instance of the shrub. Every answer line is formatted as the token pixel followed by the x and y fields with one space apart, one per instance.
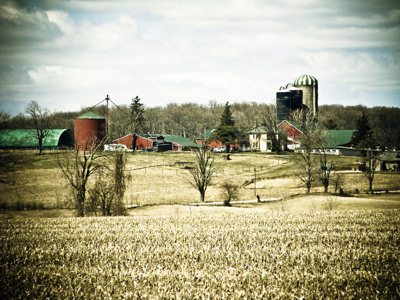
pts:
pixel 230 193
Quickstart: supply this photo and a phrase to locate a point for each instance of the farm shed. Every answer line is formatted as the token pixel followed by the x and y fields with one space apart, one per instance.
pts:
pixel 390 161
pixel 26 139
pixel 174 143
pixel 259 141
pixel 162 142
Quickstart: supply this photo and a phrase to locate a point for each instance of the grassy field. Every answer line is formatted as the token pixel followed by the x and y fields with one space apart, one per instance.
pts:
pixel 318 255
pixel 34 181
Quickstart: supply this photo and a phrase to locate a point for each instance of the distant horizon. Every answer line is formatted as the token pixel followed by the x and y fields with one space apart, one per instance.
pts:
pixel 70 54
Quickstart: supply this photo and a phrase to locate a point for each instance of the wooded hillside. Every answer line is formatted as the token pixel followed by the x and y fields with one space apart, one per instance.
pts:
pixel 191 119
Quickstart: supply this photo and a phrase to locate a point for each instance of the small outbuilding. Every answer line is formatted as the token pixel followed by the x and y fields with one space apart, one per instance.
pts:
pixel 26 139
pixel 169 142
pixel 390 161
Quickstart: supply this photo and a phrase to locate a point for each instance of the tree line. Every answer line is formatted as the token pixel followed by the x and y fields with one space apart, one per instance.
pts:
pixel 192 119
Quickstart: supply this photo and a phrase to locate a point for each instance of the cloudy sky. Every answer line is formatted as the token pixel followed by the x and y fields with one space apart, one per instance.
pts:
pixel 69 54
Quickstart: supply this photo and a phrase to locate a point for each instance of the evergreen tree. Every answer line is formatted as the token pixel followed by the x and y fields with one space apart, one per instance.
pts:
pixel 227 132
pixel 226 117
pixel 362 137
pixel 136 118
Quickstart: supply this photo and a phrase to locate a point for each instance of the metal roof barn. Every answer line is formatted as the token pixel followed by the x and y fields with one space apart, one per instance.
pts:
pixel 26 138
pixel 89 129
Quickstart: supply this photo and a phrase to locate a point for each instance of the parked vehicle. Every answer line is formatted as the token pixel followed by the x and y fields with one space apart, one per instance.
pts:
pixel 219 149
pixel 116 147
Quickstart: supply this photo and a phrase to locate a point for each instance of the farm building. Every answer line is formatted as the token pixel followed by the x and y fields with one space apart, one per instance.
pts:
pixel 174 143
pixel 207 138
pixel 26 139
pixel 142 143
pixel 158 142
pixel 259 140
pixel 292 132
pixel 389 161
pixel 288 99
pixel 336 142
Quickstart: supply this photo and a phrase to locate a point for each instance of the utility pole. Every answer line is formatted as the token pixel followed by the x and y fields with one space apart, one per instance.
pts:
pixel 107 116
pixel 255 181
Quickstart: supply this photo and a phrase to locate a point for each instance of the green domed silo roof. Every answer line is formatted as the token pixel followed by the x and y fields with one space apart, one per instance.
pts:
pixel 90 115
pixel 306 80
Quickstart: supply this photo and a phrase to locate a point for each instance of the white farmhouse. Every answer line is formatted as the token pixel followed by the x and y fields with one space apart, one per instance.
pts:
pixel 259 140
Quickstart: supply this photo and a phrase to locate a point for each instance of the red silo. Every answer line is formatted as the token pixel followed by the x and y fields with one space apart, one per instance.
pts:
pixel 89 130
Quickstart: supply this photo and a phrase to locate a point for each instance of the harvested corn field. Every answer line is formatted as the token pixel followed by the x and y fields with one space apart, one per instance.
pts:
pixel 330 254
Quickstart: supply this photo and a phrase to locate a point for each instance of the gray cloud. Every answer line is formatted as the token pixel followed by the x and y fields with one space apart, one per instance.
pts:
pixel 65 53
pixel 24 27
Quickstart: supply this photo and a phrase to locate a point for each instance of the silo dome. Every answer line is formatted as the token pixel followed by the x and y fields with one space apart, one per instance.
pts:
pixel 309 85
pixel 305 79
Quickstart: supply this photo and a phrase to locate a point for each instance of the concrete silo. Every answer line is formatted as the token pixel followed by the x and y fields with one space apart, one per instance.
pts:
pixel 309 85
pixel 89 130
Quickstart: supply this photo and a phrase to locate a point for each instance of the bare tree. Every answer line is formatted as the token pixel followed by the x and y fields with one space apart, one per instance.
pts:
pixel 78 168
pixel 109 188
pixel 119 122
pixel 311 139
pixel 41 120
pixel 325 168
pixel 102 194
pixel 202 171
pixel 371 161
pixel 271 123
pixel 4 116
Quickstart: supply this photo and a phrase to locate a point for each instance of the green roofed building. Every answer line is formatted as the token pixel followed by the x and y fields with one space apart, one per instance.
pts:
pixel 338 142
pixel 26 139
pixel 336 138
pixel 180 140
pixel 168 142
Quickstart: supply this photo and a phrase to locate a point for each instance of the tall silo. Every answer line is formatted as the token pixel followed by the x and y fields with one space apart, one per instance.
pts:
pixel 309 85
pixel 89 130
pixel 288 99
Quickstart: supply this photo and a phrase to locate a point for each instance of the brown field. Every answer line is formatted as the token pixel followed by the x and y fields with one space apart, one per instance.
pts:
pixel 157 179
pixel 289 246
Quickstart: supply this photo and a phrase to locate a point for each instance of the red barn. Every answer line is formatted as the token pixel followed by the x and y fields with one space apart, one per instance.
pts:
pixel 142 143
pixel 292 132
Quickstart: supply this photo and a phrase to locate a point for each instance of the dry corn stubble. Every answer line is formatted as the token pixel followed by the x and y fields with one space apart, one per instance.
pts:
pixel 312 255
